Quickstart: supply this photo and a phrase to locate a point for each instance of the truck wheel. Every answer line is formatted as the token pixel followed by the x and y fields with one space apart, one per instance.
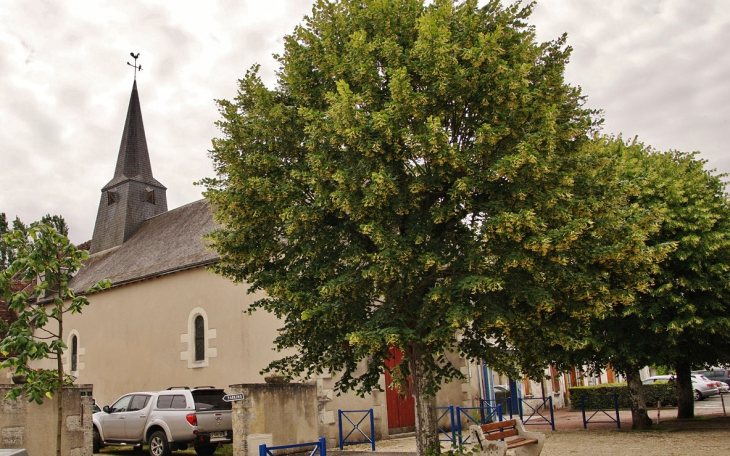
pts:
pixel 206 450
pixel 96 445
pixel 158 444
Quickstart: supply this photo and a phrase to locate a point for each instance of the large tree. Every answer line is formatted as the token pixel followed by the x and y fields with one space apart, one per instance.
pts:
pixel 417 179
pixel 682 318
pixel 47 258
pixel 688 309
pixel 617 337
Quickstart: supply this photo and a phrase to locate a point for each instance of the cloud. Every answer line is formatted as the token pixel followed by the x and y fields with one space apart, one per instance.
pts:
pixel 658 69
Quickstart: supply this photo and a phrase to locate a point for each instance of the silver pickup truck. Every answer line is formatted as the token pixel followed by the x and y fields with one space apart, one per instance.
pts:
pixel 166 421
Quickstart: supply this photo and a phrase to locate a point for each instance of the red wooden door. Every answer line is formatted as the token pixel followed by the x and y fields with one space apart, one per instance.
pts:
pixel 401 409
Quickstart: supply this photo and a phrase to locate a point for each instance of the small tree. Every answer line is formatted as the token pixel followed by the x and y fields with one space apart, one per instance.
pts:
pixel 47 258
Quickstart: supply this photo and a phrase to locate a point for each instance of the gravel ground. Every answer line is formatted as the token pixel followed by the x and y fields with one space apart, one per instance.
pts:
pixel 700 436
pixel 653 443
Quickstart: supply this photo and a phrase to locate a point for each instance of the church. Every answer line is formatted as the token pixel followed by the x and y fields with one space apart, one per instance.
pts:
pixel 168 321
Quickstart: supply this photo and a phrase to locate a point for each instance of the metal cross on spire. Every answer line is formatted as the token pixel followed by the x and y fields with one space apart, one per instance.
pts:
pixel 136 67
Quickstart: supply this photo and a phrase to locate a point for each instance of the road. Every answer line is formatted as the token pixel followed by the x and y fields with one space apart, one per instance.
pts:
pixel 712 405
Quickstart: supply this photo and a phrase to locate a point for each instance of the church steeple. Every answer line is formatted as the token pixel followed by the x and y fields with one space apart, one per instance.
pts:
pixel 133 161
pixel 133 195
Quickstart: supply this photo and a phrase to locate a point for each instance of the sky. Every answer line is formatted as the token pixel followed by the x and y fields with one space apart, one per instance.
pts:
pixel 658 69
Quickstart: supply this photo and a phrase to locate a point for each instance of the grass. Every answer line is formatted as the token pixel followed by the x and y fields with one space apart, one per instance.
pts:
pixel 128 450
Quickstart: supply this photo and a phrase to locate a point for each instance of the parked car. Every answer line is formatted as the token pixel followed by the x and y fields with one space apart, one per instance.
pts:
pixel 658 379
pixel 716 373
pixel 501 391
pixel 702 386
pixel 723 387
pixel 167 421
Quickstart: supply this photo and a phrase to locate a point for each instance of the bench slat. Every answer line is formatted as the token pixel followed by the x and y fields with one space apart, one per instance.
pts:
pixel 498 425
pixel 514 443
pixel 501 435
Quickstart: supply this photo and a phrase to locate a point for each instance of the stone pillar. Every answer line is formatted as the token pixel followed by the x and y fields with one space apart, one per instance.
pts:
pixel 32 426
pixel 287 412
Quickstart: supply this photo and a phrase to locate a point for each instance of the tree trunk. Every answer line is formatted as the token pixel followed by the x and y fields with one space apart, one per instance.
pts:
pixel 427 437
pixel 639 413
pixel 59 391
pixel 685 391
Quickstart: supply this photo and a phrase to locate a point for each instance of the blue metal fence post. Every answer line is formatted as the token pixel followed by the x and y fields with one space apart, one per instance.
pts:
pixel 499 412
pixel 322 446
pixel 583 408
pixel 552 416
pixel 339 418
pixel 262 449
pixel 615 404
pixel 453 429
pixel 372 427
pixel 514 397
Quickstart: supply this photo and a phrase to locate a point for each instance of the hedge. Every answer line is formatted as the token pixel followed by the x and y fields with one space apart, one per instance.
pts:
pixel 603 395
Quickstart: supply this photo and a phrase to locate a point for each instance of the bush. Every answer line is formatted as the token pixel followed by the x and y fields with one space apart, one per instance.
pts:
pixel 602 395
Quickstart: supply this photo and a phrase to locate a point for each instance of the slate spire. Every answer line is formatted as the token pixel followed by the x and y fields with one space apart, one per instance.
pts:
pixel 133 195
pixel 133 161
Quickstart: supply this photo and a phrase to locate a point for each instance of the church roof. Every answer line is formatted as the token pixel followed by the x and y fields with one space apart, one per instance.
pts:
pixel 133 161
pixel 167 243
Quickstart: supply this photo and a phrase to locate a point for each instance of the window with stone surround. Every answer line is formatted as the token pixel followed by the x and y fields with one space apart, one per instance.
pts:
pixel 197 341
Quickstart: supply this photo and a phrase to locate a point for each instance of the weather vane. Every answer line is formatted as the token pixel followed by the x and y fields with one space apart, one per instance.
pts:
pixel 136 67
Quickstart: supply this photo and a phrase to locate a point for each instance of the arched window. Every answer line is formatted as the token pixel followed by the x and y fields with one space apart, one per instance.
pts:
pixel 199 338
pixel 74 354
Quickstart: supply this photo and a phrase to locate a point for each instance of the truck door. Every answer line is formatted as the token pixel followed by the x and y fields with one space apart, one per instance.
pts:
pixel 137 416
pixel 113 422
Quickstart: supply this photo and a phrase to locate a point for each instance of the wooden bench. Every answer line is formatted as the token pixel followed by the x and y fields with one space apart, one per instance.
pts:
pixel 495 439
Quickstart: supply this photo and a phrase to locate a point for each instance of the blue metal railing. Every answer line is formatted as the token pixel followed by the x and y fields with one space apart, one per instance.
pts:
pixel 450 436
pixel 504 403
pixel 486 415
pixel 356 427
pixel 537 408
pixel 319 446
pixel 600 405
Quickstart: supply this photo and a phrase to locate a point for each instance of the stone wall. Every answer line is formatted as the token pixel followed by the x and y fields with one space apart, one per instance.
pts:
pixel 31 426
pixel 275 414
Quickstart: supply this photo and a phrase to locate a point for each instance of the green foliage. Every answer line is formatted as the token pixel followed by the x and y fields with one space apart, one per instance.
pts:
pixel 602 395
pixel 688 304
pixel 681 315
pixel 7 255
pixel 455 450
pixel 57 222
pixel 45 258
pixel 422 171
pixel 421 176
